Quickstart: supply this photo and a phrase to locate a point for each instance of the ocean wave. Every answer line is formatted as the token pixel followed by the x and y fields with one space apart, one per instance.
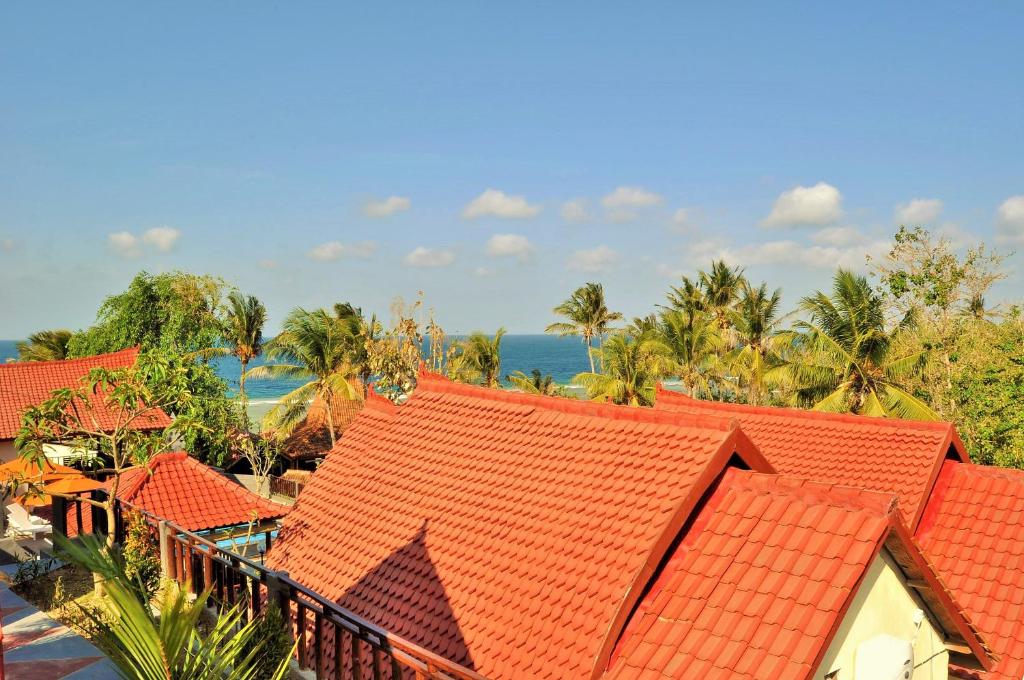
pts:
pixel 255 402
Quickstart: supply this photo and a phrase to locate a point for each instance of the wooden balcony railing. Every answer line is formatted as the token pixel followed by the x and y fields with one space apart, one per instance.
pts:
pixel 332 641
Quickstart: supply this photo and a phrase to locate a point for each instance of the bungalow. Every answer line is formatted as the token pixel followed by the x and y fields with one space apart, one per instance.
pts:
pixel 968 519
pixel 310 441
pixel 529 536
pixel 25 384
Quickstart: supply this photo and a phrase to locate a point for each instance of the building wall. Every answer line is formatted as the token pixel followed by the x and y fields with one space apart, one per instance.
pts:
pixel 885 605
pixel 7 451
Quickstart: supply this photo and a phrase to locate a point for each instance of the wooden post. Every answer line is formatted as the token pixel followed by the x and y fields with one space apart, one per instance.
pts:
pixel 60 516
pixel 165 549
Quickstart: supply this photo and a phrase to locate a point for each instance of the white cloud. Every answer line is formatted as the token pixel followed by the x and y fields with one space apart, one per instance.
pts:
pixel 682 221
pixel 598 259
pixel 818 205
pixel 124 243
pixel 838 236
pixel 333 250
pixel 919 211
pixel 510 245
pixel 631 197
pixel 494 203
pixel 1010 220
pixel 429 257
pixel 575 211
pixel 7 245
pixel 483 271
pixel 386 208
pixel 792 253
pixel 161 238
pixel 267 264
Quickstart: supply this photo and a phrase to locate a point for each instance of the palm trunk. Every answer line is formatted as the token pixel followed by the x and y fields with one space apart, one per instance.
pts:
pixel 590 353
pixel 330 418
pixel 242 397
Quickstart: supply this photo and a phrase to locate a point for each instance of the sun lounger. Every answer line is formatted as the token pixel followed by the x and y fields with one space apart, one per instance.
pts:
pixel 21 524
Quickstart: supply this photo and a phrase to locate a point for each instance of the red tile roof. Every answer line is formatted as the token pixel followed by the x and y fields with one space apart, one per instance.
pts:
pixel 877 454
pixel 29 383
pixel 760 582
pixel 973 532
pixel 179 488
pixel 510 533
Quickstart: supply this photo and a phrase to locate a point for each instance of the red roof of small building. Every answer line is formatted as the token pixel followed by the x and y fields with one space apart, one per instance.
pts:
pixel 29 383
pixel 761 581
pixel 973 532
pixel 179 488
pixel 311 438
pixel 510 533
pixel 877 454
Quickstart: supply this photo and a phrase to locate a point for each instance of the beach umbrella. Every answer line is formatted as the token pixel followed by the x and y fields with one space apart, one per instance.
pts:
pixel 72 485
pixel 33 500
pixel 21 469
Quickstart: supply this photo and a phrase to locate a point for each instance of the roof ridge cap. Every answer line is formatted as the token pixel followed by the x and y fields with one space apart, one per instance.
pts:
pixel 433 382
pixel 73 360
pixel 883 502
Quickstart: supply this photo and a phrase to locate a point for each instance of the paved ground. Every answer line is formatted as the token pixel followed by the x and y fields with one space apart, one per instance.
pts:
pixel 37 647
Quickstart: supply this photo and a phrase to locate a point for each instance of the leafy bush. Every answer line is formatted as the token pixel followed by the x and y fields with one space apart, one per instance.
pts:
pixel 142 562
pixel 271 641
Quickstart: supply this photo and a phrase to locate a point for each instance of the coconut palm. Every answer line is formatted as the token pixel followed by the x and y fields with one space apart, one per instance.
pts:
pixel 364 332
pixel 316 345
pixel 693 342
pixel 478 359
pixel 45 346
pixel 755 321
pixel 587 316
pixel 688 297
pixel 845 360
pixel 721 287
pixel 173 644
pixel 632 368
pixel 535 383
pixel 243 331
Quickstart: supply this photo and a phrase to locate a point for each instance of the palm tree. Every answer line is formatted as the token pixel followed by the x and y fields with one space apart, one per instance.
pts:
pixel 363 332
pixel 845 361
pixel 316 345
pixel 693 342
pixel 687 298
pixel 759 342
pixel 45 346
pixel 173 644
pixel 478 359
pixel 243 331
pixel 535 383
pixel 587 314
pixel 632 369
pixel 721 288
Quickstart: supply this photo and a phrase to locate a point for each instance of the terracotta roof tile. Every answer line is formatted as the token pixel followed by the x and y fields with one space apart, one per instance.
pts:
pixel 730 604
pixel 179 488
pixel 877 454
pixel 510 533
pixel 29 383
pixel 973 534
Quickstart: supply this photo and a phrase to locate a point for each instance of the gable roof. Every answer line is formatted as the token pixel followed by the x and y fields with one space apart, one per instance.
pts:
pixel 311 438
pixel 973 532
pixel 177 487
pixel 878 454
pixel 760 583
pixel 29 383
pixel 510 533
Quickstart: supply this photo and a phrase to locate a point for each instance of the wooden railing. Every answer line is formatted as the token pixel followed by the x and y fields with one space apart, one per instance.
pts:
pixel 332 641
pixel 285 487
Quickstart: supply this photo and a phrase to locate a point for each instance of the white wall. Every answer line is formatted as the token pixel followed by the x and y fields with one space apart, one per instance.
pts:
pixel 885 605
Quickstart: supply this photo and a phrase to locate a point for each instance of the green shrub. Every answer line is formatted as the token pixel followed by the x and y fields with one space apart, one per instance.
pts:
pixel 142 562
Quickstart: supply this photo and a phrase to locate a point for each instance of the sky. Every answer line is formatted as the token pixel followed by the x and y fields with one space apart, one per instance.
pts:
pixel 494 156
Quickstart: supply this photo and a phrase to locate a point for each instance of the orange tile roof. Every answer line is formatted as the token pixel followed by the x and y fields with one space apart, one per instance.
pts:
pixel 29 383
pixel 510 533
pixel 179 488
pixel 877 454
pixel 761 581
pixel 311 439
pixel 973 532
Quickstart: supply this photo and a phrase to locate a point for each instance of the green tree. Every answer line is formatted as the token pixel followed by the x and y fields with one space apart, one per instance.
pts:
pixel 847 361
pixel 45 346
pixel 760 344
pixel 721 287
pixel 632 369
pixel 177 313
pixel 478 359
pixel 535 383
pixel 171 645
pixel 243 331
pixel 693 342
pixel 587 316
pixel 316 345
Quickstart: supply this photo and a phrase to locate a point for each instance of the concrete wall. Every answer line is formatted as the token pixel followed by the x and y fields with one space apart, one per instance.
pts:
pixel 885 605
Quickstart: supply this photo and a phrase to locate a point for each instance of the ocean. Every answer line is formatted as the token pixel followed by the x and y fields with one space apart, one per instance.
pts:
pixel 562 358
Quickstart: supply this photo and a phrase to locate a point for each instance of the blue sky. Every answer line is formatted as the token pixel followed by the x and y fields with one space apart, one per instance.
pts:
pixel 493 156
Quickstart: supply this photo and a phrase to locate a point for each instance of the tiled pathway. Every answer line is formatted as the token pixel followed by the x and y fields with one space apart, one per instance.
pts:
pixel 38 648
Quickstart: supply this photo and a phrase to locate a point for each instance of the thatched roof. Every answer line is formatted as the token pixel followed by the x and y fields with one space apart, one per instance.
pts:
pixel 310 438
